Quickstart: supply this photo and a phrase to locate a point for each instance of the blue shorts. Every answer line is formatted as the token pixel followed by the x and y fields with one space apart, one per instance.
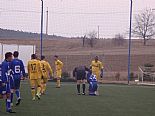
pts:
pixel 5 89
pixel 93 87
pixel 15 82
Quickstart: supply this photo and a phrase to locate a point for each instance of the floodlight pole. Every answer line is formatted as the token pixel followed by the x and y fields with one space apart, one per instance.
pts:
pixel 129 47
pixel 41 34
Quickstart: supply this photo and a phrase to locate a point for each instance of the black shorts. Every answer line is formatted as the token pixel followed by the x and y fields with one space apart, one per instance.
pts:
pixel 81 75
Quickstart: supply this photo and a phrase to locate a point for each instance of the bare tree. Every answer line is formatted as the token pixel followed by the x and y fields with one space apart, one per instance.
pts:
pixel 118 40
pixel 144 26
pixel 91 38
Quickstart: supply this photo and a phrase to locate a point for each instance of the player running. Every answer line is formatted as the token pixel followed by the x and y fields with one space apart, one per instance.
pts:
pixel 34 70
pixel 18 72
pixel 47 71
pixel 6 81
pixel 97 68
pixel 58 69
pixel 80 74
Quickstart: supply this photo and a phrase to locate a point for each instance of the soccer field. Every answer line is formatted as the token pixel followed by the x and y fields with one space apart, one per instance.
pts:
pixel 114 100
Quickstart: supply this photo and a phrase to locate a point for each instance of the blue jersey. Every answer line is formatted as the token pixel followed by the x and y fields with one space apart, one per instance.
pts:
pixel 17 68
pixel 93 84
pixel 6 71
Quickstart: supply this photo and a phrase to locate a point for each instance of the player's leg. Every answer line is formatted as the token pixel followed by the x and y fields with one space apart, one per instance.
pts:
pixel 45 80
pixel 83 82
pixel 38 81
pixel 12 85
pixel 58 75
pixel 78 86
pixel 8 98
pixel 17 91
pixel 33 91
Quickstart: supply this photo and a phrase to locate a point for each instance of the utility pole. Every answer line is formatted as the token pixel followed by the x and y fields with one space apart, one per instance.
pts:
pixel 98 32
pixel 41 34
pixel 47 22
pixel 129 48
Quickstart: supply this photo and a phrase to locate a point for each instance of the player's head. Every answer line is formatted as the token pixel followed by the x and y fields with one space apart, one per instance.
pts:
pixel 56 57
pixel 96 58
pixel 16 54
pixel 42 57
pixel 8 56
pixel 33 56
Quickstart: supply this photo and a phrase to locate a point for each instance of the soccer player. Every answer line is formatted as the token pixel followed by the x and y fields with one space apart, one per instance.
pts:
pixel 58 69
pixel 6 83
pixel 34 70
pixel 93 84
pixel 47 71
pixel 18 72
pixel 97 68
pixel 80 74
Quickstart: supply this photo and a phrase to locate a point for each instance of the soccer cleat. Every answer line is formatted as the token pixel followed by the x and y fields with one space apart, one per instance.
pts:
pixel 33 99
pixel 18 102
pixel 10 111
pixel 79 94
pixel 58 87
pixel 38 96
pixel 83 93
pixel 11 104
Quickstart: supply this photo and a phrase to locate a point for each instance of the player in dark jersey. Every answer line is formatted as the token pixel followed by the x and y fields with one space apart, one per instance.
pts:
pixel 18 71
pixel 80 74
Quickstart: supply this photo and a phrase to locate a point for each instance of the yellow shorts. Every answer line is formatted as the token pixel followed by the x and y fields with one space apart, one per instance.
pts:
pixel 58 74
pixel 35 82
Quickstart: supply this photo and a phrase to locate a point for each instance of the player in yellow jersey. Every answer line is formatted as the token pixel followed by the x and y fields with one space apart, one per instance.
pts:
pixel 58 69
pixel 47 72
pixel 97 68
pixel 34 70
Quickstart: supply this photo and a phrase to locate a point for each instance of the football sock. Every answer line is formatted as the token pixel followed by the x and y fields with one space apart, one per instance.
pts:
pixel 33 92
pixel 83 87
pixel 78 88
pixel 38 90
pixel 11 97
pixel 58 82
pixel 8 104
pixel 17 93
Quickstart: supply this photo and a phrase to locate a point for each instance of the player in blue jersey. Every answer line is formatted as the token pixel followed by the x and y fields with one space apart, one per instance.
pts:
pixel 6 83
pixel 18 71
pixel 93 84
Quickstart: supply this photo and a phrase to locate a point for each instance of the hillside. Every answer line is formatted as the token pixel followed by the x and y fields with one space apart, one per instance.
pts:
pixel 10 34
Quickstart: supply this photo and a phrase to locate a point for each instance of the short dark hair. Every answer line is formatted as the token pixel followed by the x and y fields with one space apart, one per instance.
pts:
pixel 42 57
pixel 56 56
pixel 16 54
pixel 33 56
pixel 7 55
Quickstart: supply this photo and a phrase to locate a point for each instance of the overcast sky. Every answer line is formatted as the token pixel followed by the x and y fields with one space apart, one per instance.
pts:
pixel 71 17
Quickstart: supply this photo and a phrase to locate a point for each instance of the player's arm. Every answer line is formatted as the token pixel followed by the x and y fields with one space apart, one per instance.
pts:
pixel 50 69
pixel 23 69
pixel 101 68
pixel 61 63
pixel 40 68
pixel 4 71
pixel 74 72
pixel 28 69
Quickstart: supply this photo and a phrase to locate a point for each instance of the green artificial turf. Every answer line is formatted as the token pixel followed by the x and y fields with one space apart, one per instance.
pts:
pixel 114 100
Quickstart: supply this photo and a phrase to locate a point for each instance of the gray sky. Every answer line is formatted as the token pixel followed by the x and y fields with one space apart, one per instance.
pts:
pixel 71 17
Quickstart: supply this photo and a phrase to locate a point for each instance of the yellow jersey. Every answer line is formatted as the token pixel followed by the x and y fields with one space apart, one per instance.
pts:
pixel 46 69
pixel 96 66
pixel 58 65
pixel 34 69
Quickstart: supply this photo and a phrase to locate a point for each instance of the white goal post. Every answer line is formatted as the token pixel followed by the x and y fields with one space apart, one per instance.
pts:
pixel 141 80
